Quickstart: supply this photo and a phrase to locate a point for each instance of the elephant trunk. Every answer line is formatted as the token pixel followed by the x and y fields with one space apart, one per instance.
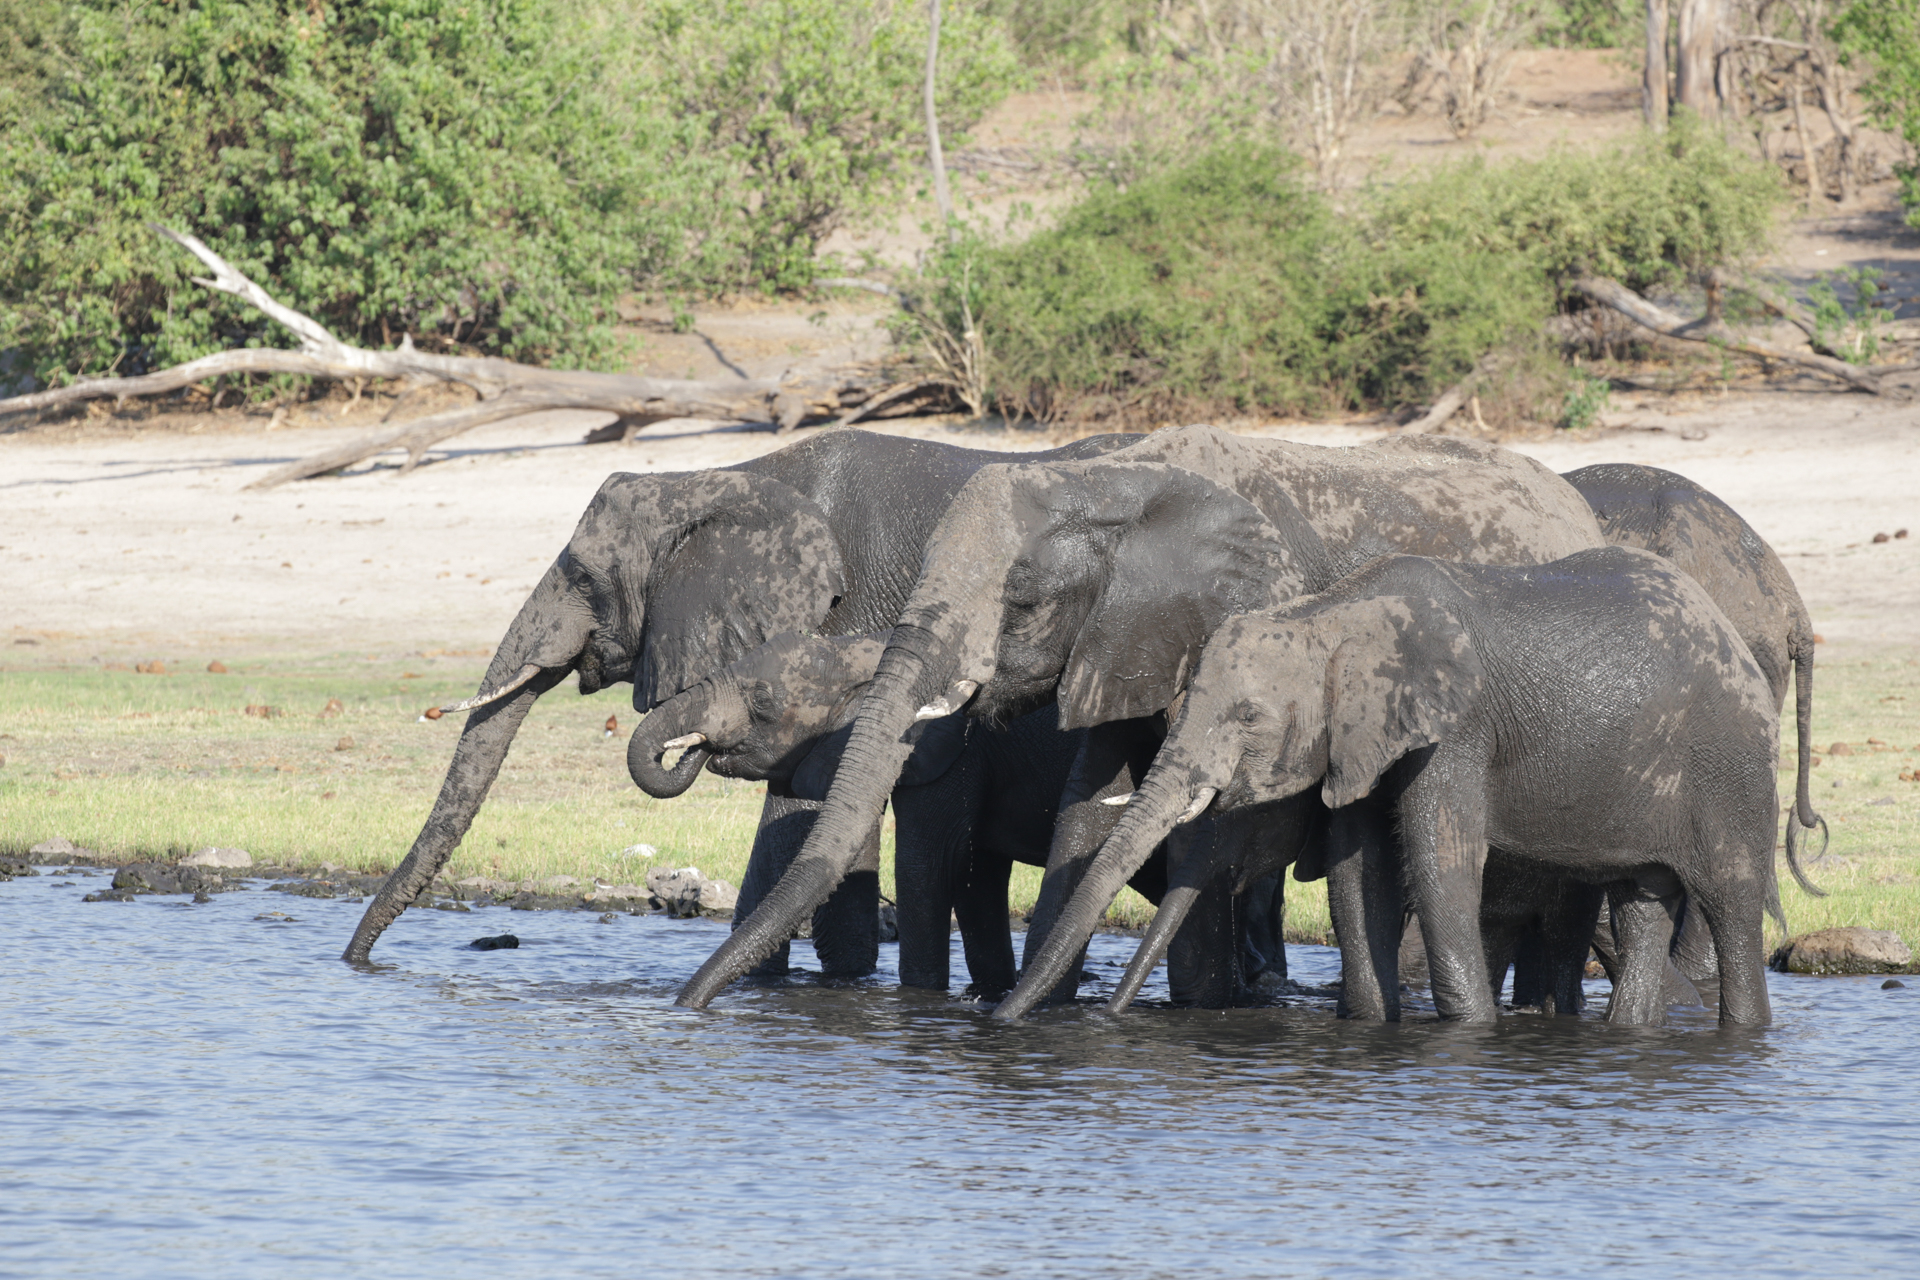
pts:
pixel 1154 810
pixel 476 762
pixel 1179 900
pixel 666 728
pixel 876 751
pixel 549 633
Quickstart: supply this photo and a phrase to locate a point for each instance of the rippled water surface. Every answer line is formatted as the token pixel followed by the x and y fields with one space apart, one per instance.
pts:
pixel 191 1091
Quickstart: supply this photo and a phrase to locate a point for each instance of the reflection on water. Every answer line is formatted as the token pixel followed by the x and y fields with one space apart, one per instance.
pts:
pixel 192 1091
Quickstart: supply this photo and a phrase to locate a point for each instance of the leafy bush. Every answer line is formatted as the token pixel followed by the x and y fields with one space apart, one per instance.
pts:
pixel 485 173
pixel 433 166
pixel 812 106
pixel 1231 285
pixel 1885 36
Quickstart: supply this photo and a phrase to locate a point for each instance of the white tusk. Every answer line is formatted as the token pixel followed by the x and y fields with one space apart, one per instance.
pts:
pixel 956 698
pixel 1201 799
pixel 684 741
pixel 485 696
pixel 1118 800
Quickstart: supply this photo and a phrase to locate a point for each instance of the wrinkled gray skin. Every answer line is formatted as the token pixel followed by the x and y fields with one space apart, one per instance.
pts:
pixel 970 801
pixel 1598 718
pixel 670 576
pixel 1096 585
pixel 1671 516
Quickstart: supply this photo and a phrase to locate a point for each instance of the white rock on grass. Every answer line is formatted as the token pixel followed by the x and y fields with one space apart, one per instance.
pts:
pixel 683 891
pixel 639 851
pixel 58 847
pixel 212 857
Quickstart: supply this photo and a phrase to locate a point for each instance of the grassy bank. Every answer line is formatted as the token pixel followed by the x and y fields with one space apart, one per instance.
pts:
pixel 151 766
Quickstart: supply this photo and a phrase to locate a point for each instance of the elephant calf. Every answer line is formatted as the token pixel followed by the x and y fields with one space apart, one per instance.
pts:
pixel 1597 718
pixel 971 801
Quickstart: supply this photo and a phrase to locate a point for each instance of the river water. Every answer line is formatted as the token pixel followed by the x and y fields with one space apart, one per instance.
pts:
pixel 193 1091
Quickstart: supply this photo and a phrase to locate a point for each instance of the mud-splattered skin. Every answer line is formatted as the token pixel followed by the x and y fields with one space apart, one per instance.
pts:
pixel 668 577
pixel 971 800
pixel 1596 718
pixel 1097 584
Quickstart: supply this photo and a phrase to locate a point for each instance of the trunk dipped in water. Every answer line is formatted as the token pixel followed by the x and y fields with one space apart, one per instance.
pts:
pixel 549 632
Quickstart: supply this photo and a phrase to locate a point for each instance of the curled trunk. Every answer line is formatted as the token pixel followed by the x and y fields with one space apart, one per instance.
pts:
pixel 1153 812
pixel 875 753
pixel 681 716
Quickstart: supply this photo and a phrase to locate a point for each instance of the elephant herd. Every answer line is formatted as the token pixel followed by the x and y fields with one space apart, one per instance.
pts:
pixel 1540 714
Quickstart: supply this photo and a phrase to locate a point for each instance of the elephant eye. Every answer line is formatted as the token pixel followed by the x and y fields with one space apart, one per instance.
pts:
pixel 1248 713
pixel 760 698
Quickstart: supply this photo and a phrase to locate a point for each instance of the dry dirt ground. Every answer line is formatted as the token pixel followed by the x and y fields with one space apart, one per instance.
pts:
pixel 130 537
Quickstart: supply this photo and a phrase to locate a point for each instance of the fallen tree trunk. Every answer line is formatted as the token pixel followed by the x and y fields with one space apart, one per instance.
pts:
pixel 1648 315
pixel 506 388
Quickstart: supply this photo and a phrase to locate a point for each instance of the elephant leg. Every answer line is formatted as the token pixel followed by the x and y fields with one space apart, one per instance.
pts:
pixel 1735 911
pixel 985 929
pixel 1692 952
pixel 1413 952
pixel 1107 765
pixel 784 824
pixel 1444 843
pixel 1366 902
pixel 932 844
pixel 846 927
pixel 1566 933
pixel 1263 909
pixel 1641 931
pixel 1602 942
pixel 1203 955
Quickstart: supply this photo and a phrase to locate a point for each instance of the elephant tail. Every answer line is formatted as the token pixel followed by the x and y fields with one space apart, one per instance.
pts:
pixel 1801 818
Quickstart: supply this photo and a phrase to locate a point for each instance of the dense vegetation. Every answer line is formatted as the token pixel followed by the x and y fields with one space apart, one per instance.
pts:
pixel 483 172
pixel 1232 283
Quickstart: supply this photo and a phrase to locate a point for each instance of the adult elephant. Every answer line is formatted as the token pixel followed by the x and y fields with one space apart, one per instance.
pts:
pixel 670 576
pixel 1098 583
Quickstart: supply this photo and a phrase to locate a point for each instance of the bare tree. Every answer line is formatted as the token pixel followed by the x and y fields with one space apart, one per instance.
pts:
pixel 1653 82
pixel 1468 45
pixel 1698 46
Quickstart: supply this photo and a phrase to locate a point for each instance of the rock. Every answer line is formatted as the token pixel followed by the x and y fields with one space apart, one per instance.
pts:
pixel 277 917
pixel 1847 950
pixel 1881 537
pixel 212 857
pixel 1893 984
pixel 216 668
pixel 607 917
pixel 9 869
pixel 889 922
pixel 685 892
pixel 109 895
pixel 504 942
pixel 345 744
pixel 1875 804
pixel 203 896
pixel 1839 749
pixel 639 851
pixel 58 848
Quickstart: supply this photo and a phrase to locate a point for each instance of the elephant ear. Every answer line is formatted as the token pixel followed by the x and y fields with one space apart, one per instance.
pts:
pixel 739 558
pixel 1401 674
pixel 936 745
pixel 1182 554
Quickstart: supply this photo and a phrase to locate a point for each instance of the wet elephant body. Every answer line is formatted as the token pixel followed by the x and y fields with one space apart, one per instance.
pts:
pixel 669 576
pixel 1596 719
pixel 1096 585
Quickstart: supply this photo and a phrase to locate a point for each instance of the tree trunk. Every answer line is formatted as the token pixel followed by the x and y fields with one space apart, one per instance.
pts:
pixel 1653 84
pixel 941 197
pixel 1693 79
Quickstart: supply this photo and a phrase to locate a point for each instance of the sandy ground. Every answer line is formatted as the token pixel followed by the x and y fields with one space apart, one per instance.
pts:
pixel 129 538
pixel 123 545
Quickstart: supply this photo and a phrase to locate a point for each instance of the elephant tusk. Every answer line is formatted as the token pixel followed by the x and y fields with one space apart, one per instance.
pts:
pixel 1118 800
pixel 683 742
pixel 956 698
pixel 1201 799
pixel 485 696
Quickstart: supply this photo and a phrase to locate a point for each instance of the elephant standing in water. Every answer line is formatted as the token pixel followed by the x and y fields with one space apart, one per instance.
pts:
pixel 1597 718
pixel 1096 585
pixel 668 577
pixel 970 801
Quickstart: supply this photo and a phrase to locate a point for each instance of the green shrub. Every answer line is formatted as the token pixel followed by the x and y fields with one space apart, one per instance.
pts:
pixel 1883 36
pixel 1230 285
pixel 432 166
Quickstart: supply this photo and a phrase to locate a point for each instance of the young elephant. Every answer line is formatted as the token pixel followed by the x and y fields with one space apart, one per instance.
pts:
pixel 971 801
pixel 1596 717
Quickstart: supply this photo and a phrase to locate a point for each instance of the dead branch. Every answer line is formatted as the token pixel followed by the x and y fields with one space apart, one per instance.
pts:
pixel 1646 314
pixel 506 388
pixel 1449 404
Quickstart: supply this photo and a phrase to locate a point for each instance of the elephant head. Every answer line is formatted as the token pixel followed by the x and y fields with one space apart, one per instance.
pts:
pixel 665 578
pixel 1321 693
pixel 1094 582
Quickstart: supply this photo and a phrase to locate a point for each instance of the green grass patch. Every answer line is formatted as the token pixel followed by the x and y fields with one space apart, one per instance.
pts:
pixel 153 766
